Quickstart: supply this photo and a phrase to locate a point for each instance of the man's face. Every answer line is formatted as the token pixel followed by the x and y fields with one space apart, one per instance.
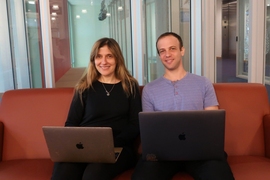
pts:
pixel 170 52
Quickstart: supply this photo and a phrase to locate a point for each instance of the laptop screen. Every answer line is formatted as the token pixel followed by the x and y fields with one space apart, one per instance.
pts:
pixel 182 135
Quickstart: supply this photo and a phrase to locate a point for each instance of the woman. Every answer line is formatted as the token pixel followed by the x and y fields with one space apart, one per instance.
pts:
pixel 106 96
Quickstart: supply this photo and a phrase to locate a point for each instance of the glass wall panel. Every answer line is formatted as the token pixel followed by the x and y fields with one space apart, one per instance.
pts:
pixel 267 44
pixel 76 25
pixel 232 28
pixel 61 36
pixel 152 60
pixel 267 48
pixel 120 27
pixel 19 44
pixel 6 73
pixel 33 43
pixel 20 52
pixel 243 39
pixel 180 13
pixel 162 16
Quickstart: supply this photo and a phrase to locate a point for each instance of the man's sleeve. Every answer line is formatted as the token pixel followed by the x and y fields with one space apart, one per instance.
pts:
pixel 147 104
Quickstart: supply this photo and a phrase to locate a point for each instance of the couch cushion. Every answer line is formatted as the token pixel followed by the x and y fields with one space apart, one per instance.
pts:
pixel 24 112
pixel 33 169
pixel 245 105
pixel 250 167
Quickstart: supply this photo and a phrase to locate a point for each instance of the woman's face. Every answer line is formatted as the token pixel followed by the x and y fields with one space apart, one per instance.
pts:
pixel 105 62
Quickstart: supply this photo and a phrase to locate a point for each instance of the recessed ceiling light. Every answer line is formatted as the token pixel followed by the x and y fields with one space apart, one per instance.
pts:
pixel 120 8
pixel 55 7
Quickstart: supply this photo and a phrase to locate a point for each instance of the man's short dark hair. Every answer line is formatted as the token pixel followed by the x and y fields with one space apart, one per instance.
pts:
pixel 170 34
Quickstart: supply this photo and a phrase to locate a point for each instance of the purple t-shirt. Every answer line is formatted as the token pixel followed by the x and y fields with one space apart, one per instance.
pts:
pixel 192 92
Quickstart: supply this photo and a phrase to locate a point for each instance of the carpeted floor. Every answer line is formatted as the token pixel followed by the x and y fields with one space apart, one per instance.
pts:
pixel 226 72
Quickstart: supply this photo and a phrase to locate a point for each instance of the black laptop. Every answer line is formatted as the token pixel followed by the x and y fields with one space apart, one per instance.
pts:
pixel 182 135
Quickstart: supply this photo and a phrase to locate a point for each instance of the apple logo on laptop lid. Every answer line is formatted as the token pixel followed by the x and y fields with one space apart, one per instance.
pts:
pixel 79 145
pixel 182 136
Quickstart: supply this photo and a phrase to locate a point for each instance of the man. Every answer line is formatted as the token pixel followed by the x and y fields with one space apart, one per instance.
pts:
pixel 179 90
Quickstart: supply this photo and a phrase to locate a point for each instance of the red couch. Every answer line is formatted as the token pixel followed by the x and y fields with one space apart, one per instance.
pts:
pixel 24 154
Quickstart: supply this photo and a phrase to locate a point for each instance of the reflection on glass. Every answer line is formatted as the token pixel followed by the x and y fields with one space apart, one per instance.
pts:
pixel 246 39
pixel 20 54
pixel 79 24
pixel 6 73
pixel 267 45
pixel 243 40
pixel 231 45
pixel 34 43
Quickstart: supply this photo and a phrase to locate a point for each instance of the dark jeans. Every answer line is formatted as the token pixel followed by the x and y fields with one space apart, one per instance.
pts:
pixel 199 170
pixel 100 171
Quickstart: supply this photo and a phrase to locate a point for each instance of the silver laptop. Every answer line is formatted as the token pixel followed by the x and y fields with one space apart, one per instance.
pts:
pixel 81 144
pixel 182 135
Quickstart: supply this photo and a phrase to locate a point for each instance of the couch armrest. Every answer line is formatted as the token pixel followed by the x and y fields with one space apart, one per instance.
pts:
pixel 266 125
pixel 1 139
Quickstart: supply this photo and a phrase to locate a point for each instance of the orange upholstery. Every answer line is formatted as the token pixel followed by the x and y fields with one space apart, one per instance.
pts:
pixel 23 113
pixel 266 126
pixel 26 169
pixel 247 110
pixel 1 138
pixel 250 167
pixel 245 106
pixel 24 153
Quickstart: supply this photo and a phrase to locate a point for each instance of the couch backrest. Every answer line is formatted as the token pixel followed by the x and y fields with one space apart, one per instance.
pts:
pixel 245 105
pixel 24 112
